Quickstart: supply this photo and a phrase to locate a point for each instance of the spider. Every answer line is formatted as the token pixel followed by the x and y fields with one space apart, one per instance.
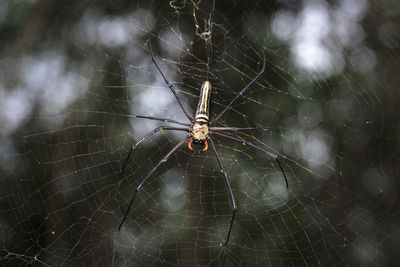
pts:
pixel 199 130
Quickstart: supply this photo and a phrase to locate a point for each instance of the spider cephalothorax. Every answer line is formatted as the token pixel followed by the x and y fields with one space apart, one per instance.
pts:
pixel 199 132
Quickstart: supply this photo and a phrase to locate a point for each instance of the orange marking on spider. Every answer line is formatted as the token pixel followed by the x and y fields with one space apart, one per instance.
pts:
pixel 190 144
pixel 205 146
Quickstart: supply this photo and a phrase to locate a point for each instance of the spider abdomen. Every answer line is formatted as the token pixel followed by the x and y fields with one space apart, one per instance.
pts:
pixel 203 107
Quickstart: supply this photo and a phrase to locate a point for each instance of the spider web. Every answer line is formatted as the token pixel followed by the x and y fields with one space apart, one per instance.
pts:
pixel 76 72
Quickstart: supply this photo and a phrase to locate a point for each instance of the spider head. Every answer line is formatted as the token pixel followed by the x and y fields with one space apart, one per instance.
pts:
pixel 198 145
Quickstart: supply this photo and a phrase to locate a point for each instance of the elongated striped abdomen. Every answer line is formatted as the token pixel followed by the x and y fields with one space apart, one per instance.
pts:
pixel 203 108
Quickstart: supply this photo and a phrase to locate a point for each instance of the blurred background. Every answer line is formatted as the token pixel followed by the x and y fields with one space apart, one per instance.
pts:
pixel 74 74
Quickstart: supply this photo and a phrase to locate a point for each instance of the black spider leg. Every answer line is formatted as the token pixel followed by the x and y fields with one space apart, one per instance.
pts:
pixel 232 128
pixel 241 92
pixel 148 135
pixel 169 84
pixel 164 159
pixel 244 142
pixel 229 187
pixel 161 119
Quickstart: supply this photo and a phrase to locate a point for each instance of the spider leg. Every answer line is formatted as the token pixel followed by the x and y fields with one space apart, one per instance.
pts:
pixel 169 84
pixel 244 142
pixel 161 119
pixel 229 187
pixel 148 135
pixel 232 128
pixel 164 159
pixel 241 92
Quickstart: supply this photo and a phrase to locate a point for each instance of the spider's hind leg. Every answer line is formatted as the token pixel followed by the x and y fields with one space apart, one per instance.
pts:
pixel 168 83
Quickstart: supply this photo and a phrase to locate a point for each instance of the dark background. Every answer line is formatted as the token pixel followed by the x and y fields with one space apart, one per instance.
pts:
pixel 73 73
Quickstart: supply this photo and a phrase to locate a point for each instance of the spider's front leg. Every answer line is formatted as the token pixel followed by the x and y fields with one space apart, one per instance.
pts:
pixel 229 187
pixel 244 142
pixel 148 135
pixel 164 159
